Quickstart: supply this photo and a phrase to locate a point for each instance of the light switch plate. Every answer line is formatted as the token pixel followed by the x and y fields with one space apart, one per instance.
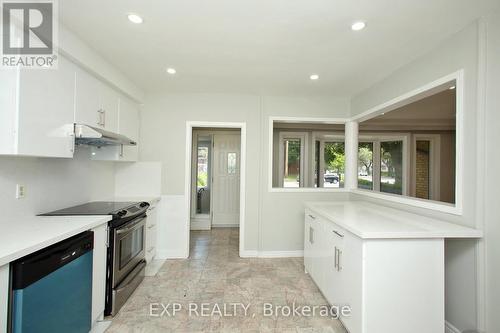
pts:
pixel 20 191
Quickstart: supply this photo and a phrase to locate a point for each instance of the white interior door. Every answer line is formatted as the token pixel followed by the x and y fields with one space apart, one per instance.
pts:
pixel 226 180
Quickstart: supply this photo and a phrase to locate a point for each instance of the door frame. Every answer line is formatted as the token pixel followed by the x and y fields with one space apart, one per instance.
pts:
pixel 188 179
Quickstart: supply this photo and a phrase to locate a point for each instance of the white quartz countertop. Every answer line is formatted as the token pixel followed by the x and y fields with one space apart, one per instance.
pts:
pixel 368 220
pixel 152 200
pixel 21 236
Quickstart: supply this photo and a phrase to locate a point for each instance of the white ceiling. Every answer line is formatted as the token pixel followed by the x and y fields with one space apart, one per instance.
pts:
pixel 265 46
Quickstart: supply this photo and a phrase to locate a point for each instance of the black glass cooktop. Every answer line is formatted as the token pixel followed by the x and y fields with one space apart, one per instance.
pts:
pixel 93 208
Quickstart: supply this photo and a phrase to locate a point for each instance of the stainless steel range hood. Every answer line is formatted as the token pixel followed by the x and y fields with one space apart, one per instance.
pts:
pixel 93 136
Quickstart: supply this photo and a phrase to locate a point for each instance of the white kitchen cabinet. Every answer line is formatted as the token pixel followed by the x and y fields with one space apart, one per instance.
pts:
pixel 4 297
pixel 308 244
pixel 128 125
pixel 96 104
pixel 99 272
pixel 151 230
pixel 390 285
pixel 37 111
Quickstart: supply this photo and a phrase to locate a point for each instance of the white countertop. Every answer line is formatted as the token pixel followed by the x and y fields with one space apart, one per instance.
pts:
pixel 20 236
pixel 368 220
pixel 152 200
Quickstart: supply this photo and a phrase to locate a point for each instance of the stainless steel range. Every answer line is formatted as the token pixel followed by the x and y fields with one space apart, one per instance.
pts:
pixel 126 247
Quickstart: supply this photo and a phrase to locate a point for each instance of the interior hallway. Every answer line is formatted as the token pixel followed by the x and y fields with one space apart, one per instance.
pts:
pixel 214 273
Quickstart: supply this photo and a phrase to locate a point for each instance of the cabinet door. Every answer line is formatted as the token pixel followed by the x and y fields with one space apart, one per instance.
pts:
pixel 317 250
pixel 332 273
pixel 88 109
pixel 351 281
pixel 4 297
pixel 45 112
pixel 99 272
pixel 110 102
pixel 129 126
pixel 151 233
pixel 308 242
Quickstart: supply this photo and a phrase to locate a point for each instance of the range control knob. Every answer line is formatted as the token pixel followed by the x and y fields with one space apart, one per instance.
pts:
pixel 143 204
pixel 122 213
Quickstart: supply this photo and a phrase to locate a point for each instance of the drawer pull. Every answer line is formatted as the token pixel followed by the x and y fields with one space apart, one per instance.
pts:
pixel 338 233
pixel 151 226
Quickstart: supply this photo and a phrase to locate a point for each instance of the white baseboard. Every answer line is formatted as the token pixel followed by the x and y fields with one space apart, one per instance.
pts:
pixel 272 254
pixel 249 254
pixel 229 225
pixel 281 254
pixel 166 254
pixel 449 328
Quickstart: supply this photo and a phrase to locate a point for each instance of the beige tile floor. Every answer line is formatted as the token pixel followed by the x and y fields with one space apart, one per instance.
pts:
pixel 215 274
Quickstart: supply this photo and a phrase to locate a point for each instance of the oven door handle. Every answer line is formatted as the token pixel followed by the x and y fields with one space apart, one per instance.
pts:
pixel 129 228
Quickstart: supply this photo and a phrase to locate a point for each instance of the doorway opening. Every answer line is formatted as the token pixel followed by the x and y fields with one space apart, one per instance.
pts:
pixel 215 190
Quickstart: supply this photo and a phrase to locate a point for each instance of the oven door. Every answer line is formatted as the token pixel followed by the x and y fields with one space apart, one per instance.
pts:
pixel 128 248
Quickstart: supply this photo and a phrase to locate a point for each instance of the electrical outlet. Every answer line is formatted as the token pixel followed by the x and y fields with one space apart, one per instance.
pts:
pixel 20 191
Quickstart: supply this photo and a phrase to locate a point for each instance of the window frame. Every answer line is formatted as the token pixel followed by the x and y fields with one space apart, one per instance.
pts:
pixel 434 163
pixel 302 136
pixel 324 137
pixel 377 139
pixel 457 79
pixel 271 159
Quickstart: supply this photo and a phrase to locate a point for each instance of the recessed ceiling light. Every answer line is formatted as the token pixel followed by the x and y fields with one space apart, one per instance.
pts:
pixel 314 77
pixel 134 18
pixel 452 87
pixel 357 26
pixel 171 71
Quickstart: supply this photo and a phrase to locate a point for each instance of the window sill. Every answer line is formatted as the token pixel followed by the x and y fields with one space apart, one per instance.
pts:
pixel 420 203
pixel 307 190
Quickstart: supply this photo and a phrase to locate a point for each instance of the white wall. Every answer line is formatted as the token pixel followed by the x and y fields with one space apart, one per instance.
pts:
pixel 268 215
pixel 53 183
pixel 459 52
pixel 491 164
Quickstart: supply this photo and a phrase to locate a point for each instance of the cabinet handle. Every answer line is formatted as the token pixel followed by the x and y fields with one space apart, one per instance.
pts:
pixel 72 143
pixel 338 233
pixel 312 216
pixel 339 266
pixel 311 235
pixel 100 122
pixel 121 150
pixel 104 118
pixel 151 226
pixel 335 258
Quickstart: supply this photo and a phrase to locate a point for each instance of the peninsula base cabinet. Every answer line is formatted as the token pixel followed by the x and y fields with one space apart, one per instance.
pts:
pixel 4 297
pixel 99 272
pixel 151 224
pixel 391 285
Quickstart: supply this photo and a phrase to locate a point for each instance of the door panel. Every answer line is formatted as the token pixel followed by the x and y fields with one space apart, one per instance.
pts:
pixel 226 179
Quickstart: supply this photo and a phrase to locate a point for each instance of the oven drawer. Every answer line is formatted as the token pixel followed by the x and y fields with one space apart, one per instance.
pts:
pixel 123 291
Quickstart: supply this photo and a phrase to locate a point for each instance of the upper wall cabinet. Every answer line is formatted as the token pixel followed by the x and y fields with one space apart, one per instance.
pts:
pixel 96 104
pixel 128 125
pixel 37 111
